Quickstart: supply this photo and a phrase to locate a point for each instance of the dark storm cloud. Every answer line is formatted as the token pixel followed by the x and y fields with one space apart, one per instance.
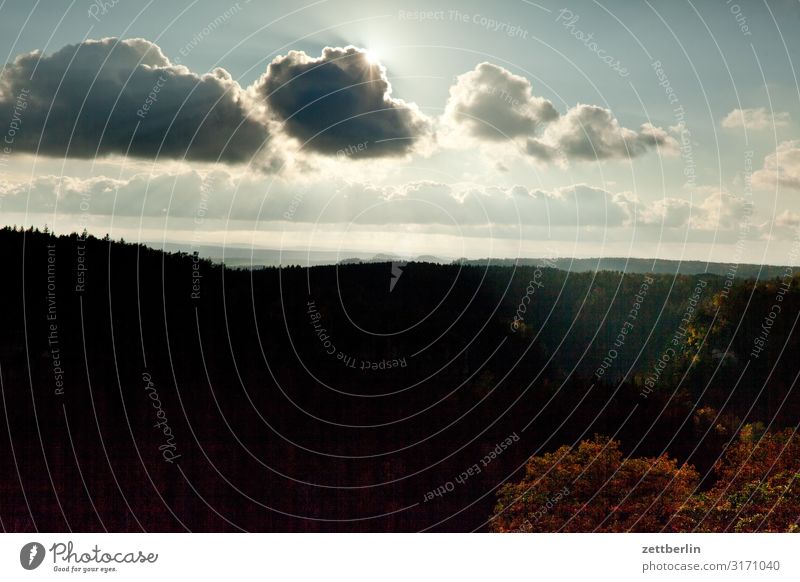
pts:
pixel 86 99
pixel 339 101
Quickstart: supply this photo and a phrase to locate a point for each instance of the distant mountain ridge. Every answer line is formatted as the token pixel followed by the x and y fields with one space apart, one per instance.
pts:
pixel 658 266
pixel 235 256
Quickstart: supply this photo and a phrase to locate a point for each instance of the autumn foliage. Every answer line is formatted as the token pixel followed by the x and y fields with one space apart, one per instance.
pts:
pixel 757 487
pixel 594 487
pixel 606 492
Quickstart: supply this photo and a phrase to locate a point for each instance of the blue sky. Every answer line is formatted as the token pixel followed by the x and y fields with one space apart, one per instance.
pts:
pixel 717 58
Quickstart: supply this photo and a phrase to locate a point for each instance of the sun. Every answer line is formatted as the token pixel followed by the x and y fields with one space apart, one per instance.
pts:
pixel 372 56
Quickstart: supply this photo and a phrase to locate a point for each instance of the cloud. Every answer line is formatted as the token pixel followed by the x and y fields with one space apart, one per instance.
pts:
pixel 141 195
pixel 196 198
pixel 87 99
pixel 711 209
pixel 586 205
pixel 721 210
pixel 251 196
pixel 544 152
pixel 589 132
pixel 669 212
pixel 781 168
pixel 340 103
pixel 491 104
pixel 125 97
pixel 755 119
pixel 788 219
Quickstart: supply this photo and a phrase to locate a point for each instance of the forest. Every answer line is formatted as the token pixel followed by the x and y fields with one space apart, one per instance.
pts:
pixel 145 390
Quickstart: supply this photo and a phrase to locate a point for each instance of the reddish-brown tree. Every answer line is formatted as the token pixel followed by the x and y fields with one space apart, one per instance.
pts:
pixel 594 488
pixel 757 487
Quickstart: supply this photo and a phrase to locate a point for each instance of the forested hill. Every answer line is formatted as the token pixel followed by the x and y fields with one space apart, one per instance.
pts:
pixel 338 397
pixel 634 265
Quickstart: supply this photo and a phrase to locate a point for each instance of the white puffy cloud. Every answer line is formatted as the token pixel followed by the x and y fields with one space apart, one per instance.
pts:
pixel 491 104
pixel 669 212
pixel 710 209
pixel 589 132
pixel 787 219
pixel 720 210
pixel 781 168
pixel 755 118
pixel 584 205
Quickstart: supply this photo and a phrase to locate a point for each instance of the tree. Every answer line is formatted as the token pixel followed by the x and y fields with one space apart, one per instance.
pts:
pixel 592 487
pixel 757 487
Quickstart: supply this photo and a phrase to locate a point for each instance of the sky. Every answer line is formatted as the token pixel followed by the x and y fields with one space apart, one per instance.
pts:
pixel 454 129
